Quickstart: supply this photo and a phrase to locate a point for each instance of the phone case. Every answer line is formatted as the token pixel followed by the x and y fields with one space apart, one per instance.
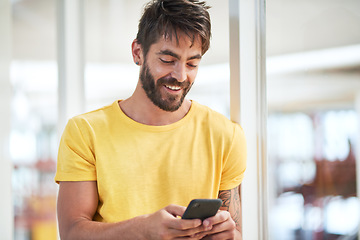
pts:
pixel 202 208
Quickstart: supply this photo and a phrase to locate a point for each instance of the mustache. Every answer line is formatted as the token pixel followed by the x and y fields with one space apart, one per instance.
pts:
pixel 172 81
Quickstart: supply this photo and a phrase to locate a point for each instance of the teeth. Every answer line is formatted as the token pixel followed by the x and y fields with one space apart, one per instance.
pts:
pixel 175 88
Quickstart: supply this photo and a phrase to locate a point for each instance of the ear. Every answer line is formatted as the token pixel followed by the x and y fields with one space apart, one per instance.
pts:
pixel 137 52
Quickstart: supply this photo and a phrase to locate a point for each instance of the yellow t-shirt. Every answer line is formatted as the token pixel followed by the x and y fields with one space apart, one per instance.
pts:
pixel 140 169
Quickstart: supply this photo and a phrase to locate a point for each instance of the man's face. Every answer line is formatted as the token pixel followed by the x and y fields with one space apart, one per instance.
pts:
pixel 169 70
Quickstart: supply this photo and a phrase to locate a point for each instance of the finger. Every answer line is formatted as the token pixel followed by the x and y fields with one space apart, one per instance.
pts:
pixel 227 226
pixel 186 224
pixel 175 210
pixel 220 217
pixel 200 235
pixel 192 233
pixel 220 227
pixel 181 224
pixel 220 236
pixel 187 238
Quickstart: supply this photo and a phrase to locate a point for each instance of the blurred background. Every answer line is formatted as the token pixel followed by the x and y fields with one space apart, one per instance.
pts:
pixel 313 77
pixel 313 91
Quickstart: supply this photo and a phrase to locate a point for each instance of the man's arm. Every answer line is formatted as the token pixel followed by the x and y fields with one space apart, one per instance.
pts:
pixel 232 204
pixel 77 204
pixel 226 224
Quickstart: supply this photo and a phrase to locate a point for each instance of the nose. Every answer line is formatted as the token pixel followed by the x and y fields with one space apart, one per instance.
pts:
pixel 180 72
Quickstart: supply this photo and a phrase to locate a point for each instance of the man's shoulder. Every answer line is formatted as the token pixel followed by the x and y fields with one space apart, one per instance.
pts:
pixel 103 114
pixel 216 121
pixel 211 115
pixel 217 126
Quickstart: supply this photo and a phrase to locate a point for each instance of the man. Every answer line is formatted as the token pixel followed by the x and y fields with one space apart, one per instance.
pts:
pixel 127 171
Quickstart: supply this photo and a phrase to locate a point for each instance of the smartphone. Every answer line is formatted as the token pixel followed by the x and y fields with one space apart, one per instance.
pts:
pixel 202 208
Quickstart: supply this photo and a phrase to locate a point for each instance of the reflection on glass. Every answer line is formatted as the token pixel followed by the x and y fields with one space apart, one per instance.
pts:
pixel 313 73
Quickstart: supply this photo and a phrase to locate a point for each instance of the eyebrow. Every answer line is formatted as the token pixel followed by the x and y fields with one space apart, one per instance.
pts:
pixel 170 53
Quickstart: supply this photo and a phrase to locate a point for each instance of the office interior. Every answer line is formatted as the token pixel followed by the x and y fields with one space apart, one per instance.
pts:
pixel 311 67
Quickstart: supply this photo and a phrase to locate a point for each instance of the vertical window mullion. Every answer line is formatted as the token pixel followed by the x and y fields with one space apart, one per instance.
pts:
pixel 249 107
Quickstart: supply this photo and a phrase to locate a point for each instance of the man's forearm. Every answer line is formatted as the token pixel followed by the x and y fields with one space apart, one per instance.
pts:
pixel 91 230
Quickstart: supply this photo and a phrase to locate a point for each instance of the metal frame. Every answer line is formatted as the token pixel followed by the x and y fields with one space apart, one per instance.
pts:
pixel 71 60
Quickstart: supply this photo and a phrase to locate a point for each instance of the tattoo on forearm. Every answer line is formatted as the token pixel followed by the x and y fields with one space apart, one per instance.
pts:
pixel 225 196
pixel 231 203
pixel 237 207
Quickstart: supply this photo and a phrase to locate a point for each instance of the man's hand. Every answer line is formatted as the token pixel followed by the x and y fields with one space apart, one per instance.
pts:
pixel 225 224
pixel 221 226
pixel 165 224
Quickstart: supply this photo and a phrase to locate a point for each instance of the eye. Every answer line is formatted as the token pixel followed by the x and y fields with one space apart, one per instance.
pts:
pixel 192 65
pixel 165 61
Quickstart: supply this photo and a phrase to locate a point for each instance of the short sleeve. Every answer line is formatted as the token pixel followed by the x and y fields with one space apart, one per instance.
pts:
pixel 76 161
pixel 235 161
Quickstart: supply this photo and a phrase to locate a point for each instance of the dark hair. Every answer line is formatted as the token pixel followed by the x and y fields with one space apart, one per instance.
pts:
pixel 167 17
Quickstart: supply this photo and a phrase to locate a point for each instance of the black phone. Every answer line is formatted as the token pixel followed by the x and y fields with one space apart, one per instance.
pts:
pixel 202 208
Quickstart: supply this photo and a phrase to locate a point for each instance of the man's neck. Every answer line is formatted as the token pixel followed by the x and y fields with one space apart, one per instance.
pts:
pixel 139 108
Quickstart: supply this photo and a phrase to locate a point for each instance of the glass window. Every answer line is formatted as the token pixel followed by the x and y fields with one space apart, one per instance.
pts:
pixel 313 74
pixel 33 140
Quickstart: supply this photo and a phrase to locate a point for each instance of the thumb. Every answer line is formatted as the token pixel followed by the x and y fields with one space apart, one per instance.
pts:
pixel 175 210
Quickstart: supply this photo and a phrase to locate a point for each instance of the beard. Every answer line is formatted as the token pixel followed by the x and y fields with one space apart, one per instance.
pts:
pixel 165 101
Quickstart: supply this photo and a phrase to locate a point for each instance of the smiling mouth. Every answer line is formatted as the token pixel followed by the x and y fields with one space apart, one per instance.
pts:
pixel 173 88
